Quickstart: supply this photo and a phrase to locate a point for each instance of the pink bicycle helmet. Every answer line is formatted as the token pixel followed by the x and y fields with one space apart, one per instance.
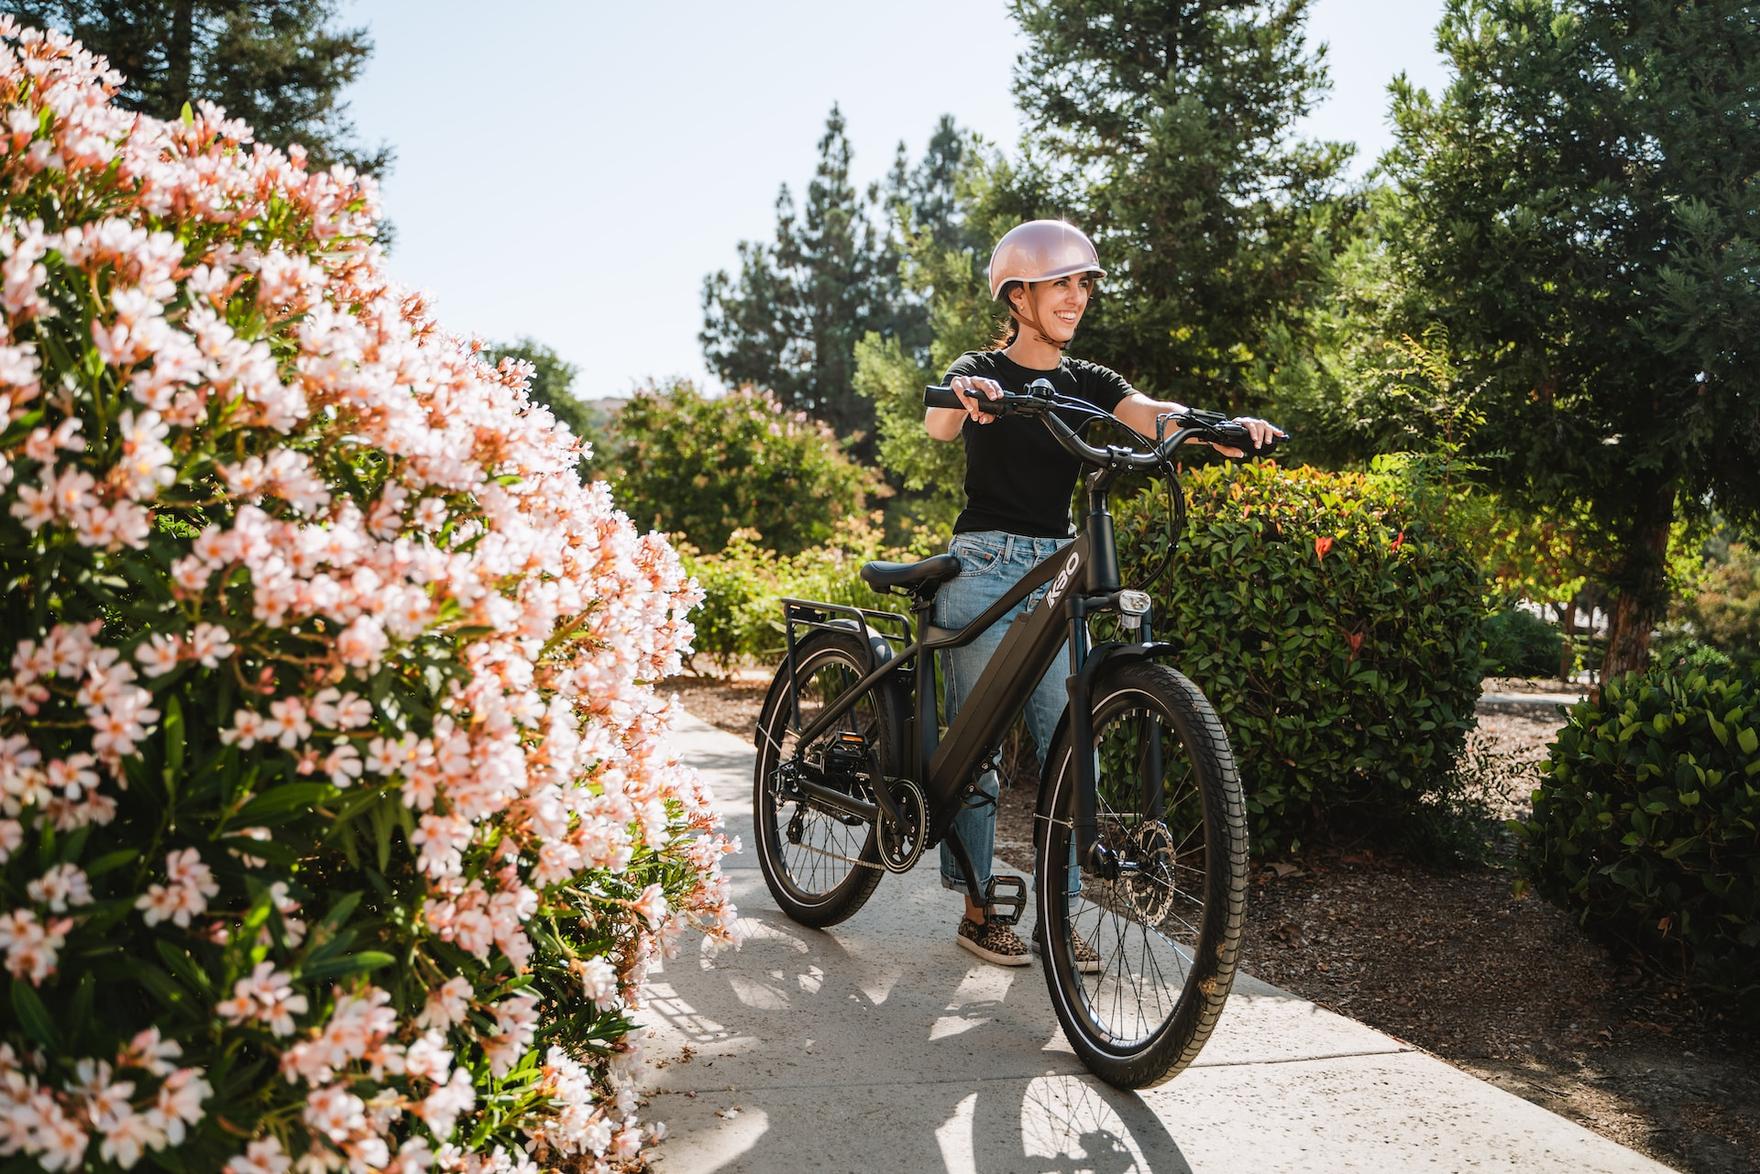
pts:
pixel 1041 250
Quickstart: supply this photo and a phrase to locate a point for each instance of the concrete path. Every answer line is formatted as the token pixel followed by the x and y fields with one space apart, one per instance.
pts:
pixel 879 1045
pixel 1546 702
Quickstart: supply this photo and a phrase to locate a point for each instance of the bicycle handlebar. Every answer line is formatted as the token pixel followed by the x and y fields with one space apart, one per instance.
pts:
pixel 1040 397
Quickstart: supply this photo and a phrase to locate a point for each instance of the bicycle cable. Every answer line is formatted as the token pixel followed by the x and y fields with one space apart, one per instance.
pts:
pixel 1176 503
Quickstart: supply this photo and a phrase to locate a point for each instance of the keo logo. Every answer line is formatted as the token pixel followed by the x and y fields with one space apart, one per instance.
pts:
pixel 1063 578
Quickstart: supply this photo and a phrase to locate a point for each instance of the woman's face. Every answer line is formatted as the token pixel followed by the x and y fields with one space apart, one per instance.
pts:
pixel 1058 304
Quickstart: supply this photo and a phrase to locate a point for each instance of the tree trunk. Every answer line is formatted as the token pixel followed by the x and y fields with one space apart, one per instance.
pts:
pixel 1641 583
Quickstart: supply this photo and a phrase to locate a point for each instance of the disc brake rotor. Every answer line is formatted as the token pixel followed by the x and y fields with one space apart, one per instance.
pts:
pixel 1149 881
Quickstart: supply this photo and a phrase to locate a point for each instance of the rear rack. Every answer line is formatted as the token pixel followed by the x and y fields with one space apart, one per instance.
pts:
pixel 811 614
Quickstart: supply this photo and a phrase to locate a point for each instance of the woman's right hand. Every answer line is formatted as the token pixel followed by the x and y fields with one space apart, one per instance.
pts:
pixel 968 388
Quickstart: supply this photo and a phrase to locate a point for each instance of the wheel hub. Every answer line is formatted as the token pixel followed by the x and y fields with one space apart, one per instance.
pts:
pixel 1148 877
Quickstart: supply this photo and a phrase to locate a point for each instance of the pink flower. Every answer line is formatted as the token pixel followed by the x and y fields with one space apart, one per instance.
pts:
pixel 651 906
pixel 158 655
pixel 191 884
pixel 32 949
pixel 63 885
pixel 261 1157
pixel 266 996
pixel 362 643
pixel 447 1005
pixel 210 644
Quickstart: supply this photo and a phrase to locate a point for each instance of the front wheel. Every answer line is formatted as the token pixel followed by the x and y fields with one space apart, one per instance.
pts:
pixel 1141 944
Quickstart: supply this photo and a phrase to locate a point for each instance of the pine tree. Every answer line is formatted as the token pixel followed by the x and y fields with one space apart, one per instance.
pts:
pixel 280 65
pixel 790 319
pixel 926 217
pixel 1166 128
pixel 1581 214
pixel 837 255
pixel 754 323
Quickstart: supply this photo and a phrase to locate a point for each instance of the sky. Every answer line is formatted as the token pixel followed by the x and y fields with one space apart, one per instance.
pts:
pixel 570 170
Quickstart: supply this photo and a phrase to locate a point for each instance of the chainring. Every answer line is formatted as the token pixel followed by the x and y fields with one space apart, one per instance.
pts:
pixel 901 845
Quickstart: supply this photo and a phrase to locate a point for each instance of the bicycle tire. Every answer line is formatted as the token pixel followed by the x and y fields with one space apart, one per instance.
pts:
pixel 827 868
pixel 1185 900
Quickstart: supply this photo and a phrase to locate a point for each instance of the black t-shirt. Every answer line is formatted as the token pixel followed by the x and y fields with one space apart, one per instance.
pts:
pixel 1018 478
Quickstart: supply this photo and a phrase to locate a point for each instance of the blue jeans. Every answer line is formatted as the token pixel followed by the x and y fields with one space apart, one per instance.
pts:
pixel 991 562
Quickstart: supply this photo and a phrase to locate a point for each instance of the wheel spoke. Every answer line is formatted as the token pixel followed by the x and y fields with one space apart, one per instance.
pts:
pixel 821 859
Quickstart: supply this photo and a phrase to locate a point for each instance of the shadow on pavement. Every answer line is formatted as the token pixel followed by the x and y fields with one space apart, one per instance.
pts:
pixel 858 1063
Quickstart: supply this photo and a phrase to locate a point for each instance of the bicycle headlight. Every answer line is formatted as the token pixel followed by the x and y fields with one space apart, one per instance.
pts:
pixel 1134 603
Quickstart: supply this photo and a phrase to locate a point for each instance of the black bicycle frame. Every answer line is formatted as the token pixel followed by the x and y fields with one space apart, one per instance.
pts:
pixel 1082 579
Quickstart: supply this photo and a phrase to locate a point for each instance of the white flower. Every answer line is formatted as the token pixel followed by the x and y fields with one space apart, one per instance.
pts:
pixel 448 1005
pixel 63 885
pixel 264 1156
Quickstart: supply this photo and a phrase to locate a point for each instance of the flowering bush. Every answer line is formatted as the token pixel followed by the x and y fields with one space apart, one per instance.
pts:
pixel 336 824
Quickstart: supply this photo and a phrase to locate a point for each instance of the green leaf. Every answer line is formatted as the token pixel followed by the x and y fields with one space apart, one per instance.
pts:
pixel 345 965
pixel 32 1015
pixel 281 800
pixel 341 910
pixel 1748 740
pixel 173 727
pixel 111 861
pixel 182 965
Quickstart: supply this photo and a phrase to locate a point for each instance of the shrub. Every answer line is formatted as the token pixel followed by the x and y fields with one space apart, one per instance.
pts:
pixel 335 822
pixel 1337 633
pixel 704 467
pixel 1645 824
pixel 1517 643
pixel 742 584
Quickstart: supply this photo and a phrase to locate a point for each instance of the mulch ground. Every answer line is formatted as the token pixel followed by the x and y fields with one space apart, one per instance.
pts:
pixel 1507 987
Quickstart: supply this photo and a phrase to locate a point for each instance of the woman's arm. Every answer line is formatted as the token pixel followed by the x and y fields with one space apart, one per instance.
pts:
pixel 1139 411
pixel 945 423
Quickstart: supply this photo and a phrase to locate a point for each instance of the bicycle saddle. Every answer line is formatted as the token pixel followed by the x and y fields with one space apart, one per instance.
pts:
pixel 931 572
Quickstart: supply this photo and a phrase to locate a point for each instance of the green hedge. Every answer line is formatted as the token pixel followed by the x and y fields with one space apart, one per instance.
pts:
pixel 1335 630
pixel 1518 643
pixel 740 617
pixel 1648 824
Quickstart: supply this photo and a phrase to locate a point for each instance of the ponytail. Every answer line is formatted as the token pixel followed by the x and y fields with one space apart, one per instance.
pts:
pixel 1009 328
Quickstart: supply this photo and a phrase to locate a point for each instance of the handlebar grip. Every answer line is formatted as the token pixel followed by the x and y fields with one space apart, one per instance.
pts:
pixel 1236 436
pixel 938 395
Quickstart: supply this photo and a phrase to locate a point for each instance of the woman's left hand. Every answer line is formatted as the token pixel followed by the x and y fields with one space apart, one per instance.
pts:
pixel 1263 432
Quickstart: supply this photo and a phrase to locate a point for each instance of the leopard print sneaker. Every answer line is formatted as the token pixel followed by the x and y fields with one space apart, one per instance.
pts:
pixel 994 943
pixel 1087 961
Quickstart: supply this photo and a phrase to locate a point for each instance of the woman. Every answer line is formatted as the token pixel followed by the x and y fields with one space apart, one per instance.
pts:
pixel 1018 487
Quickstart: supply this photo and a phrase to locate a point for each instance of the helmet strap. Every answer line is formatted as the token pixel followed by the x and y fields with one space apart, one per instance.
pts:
pixel 1030 318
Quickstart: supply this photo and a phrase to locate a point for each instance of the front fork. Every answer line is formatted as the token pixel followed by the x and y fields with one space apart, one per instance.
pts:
pixel 1100 859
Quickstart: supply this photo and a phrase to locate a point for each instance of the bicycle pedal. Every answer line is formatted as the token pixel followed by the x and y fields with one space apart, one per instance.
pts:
pixel 1005 907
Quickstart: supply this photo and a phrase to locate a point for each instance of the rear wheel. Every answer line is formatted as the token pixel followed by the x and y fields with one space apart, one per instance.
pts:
pixel 1163 908
pixel 820 863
